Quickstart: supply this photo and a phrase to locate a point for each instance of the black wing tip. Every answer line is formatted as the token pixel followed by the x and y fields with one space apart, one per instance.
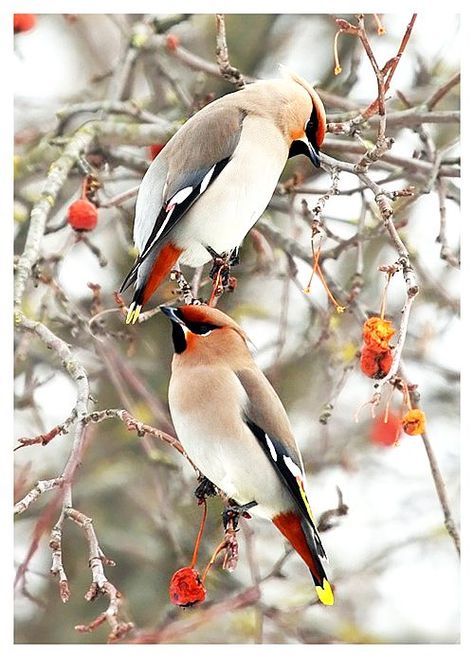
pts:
pixel 130 278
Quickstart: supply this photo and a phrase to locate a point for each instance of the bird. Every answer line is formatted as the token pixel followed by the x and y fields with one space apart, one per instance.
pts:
pixel 234 428
pixel 214 178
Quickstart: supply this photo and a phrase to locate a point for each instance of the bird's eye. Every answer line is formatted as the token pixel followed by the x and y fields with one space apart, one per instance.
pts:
pixel 201 328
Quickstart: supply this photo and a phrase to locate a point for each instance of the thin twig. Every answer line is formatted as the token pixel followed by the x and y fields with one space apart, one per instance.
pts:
pixel 57 176
pixel 229 72
pixel 437 477
pixel 446 253
pixel 41 487
pixel 440 93
pixel 100 583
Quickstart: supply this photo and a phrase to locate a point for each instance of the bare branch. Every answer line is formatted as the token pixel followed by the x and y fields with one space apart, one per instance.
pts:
pixel 229 72
pixel 57 176
pixel 440 93
pixel 40 488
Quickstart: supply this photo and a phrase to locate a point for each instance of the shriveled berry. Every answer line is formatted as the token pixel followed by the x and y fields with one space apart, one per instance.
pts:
pixel 186 588
pixel 377 333
pixel 414 422
pixel 375 363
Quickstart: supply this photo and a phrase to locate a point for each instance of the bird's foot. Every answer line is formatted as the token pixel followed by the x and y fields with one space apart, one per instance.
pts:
pixel 204 490
pixel 185 292
pixel 233 511
pixel 220 273
pixel 234 257
pixel 221 265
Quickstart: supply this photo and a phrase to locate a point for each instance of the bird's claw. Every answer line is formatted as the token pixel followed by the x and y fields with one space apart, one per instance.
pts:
pixel 204 490
pixel 221 266
pixel 233 511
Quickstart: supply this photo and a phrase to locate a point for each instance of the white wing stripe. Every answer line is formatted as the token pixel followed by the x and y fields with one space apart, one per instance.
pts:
pixel 206 180
pixel 180 196
pixel 271 447
pixel 292 467
pixel 162 228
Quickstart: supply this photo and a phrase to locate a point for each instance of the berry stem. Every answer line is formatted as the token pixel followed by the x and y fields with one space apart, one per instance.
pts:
pixel 220 548
pixel 406 396
pixel 384 295
pixel 337 65
pixel 199 535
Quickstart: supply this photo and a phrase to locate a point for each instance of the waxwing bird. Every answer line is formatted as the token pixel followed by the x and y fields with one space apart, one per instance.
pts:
pixel 234 428
pixel 214 178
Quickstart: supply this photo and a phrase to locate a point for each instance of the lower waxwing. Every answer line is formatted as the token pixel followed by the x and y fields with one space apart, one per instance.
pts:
pixel 214 178
pixel 235 430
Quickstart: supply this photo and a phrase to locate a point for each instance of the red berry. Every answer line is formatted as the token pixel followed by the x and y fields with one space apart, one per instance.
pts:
pixel 385 431
pixel 375 363
pixel 154 149
pixel 82 215
pixel 186 588
pixel 172 41
pixel 23 22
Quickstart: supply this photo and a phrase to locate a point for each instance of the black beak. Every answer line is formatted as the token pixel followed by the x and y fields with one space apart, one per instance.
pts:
pixel 304 147
pixel 172 313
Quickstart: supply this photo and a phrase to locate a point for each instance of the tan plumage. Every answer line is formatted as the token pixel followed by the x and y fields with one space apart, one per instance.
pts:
pixel 234 428
pixel 214 178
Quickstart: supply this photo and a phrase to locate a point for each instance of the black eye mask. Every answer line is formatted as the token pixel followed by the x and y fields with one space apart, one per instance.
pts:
pixel 310 129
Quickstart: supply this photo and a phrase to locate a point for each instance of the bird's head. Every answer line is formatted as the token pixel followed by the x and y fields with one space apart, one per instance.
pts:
pixel 309 120
pixel 205 329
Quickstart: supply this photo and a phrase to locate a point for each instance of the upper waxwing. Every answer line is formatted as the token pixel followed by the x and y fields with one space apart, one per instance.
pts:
pixel 235 430
pixel 214 178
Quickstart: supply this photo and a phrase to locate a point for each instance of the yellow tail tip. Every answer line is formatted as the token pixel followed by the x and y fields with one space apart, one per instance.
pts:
pixel 133 313
pixel 325 594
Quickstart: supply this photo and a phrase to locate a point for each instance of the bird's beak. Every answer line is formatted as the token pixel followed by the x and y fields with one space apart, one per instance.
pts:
pixel 311 152
pixel 170 312
pixel 303 146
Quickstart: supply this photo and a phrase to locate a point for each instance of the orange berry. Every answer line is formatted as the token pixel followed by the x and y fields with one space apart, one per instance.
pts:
pixel 375 363
pixel 82 215
pixel 23 22
pixel 414 422
pixel 377 333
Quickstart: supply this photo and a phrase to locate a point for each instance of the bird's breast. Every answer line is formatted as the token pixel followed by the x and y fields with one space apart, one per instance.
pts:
pixel 206 409
pixel 234 202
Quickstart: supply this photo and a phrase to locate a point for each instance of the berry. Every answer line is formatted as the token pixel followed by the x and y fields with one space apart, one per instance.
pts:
pixel 414 422
pixel 377 333
pixel 186 588
pixel 82 215
pixel 172 41
pixel 385 431
pixel 154 149
pixel 375 363
pixel 23 22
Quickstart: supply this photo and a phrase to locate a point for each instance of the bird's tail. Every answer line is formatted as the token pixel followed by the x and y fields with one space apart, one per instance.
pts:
pixel 304 539
pixel 149 274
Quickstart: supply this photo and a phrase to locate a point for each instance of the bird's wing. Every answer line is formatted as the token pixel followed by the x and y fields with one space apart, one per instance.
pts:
pixel 266 417
pixel 181 173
